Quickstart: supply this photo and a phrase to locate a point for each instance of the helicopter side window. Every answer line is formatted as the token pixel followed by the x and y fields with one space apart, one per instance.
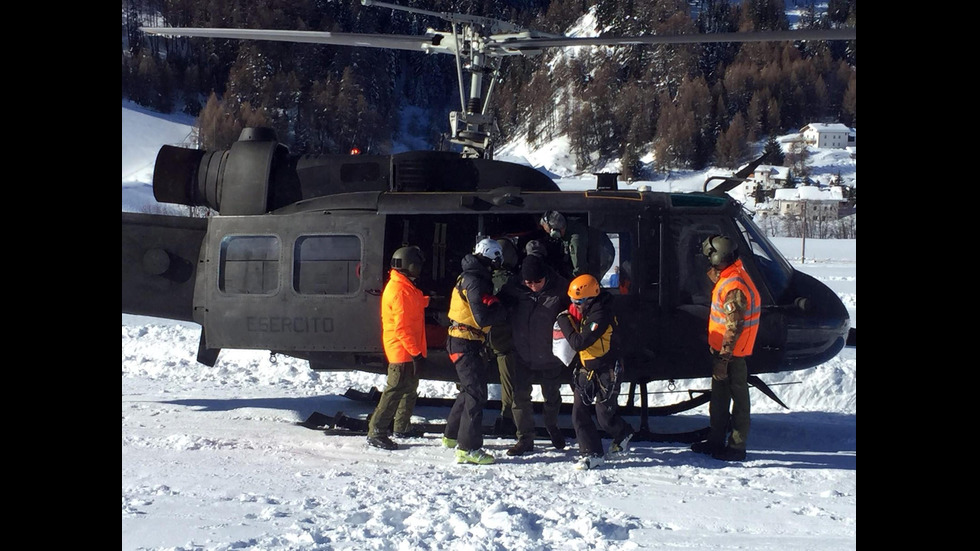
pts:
pixel 693 284
pixel 249 264
pixel 327 264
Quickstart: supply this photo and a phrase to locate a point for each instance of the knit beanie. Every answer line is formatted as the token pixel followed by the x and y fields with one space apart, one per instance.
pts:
pixel 533 269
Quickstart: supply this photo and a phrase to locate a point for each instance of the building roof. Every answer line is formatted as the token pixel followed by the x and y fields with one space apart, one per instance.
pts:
pixel 810 193
pixel 826 127
pixel 772 170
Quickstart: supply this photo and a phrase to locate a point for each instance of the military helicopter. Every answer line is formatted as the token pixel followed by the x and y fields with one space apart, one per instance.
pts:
pixel 295 258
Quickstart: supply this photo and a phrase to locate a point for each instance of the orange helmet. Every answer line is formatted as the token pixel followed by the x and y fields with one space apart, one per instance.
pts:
pixel 582 287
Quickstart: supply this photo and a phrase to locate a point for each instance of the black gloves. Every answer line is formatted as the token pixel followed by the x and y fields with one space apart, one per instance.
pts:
pixel 418 363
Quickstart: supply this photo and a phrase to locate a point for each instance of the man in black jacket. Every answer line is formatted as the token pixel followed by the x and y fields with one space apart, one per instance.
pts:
pixel 543 297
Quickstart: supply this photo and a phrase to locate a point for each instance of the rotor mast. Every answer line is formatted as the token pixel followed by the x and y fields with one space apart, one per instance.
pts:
pixel 471 126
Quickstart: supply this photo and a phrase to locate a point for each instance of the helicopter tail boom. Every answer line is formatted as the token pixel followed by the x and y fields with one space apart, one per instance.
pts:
pixel 159 261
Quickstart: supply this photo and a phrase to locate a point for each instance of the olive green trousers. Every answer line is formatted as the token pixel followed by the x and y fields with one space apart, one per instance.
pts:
pixel 730 401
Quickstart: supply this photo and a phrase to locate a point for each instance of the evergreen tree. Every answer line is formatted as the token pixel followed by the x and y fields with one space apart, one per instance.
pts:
pixel 717 16
pixel 773 117
pixel 842 11
pixel 849 106
pixel 134 36
pixel 756 114
pixel 773 152
pixel 764 15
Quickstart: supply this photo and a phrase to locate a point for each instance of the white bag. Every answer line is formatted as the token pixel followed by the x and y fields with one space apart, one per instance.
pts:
pixel 560 347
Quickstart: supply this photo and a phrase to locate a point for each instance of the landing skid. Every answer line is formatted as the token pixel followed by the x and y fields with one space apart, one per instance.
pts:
pixel 342 424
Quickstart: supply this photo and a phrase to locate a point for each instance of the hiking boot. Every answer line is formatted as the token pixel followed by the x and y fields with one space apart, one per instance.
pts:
pixel 729 454
pixel 621 447
pixel 477 457
pixel 382 441
pixel 705 447
pixel 410 433
pixel 525 445
pixel 557 438
pixel 588 462
pixel 448 442
pixel 505 426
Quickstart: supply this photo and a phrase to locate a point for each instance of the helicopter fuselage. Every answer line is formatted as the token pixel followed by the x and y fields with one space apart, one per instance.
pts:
pixel 304 279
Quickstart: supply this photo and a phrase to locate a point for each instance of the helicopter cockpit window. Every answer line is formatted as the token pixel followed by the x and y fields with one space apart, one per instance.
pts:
pixel 617 277
pixel 776 269
pixel 327 264
pixel 249 264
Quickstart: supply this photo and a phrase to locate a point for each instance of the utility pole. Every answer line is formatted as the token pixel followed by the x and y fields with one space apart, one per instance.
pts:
pixel 803 252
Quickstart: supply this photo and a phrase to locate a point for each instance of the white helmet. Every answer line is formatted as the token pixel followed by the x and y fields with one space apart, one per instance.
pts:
pixel 491 250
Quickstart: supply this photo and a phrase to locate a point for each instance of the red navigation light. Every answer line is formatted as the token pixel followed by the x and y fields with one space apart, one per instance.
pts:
pixel 355 151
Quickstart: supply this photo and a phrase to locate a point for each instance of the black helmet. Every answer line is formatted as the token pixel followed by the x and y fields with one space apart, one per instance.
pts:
pixel 535 248
pixel 510 253
pixel 408 260
pixel 720 250
pixel 555 221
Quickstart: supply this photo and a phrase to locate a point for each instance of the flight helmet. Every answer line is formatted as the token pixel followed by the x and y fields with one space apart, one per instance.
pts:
pixel 509 253
pixel 720 250
pixel 555 222
pixel 408 261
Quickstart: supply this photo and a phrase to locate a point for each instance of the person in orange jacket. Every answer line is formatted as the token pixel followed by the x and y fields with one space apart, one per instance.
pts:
pixel 403 333
pixel 732 327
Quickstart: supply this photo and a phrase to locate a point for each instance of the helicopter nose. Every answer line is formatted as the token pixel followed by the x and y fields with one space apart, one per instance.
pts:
pixel 817 328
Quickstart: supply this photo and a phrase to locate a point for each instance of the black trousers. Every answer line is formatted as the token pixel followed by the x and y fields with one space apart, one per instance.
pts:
pixel 589 442
pixel 465 421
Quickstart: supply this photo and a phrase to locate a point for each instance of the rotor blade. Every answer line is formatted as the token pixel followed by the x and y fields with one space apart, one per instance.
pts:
pixel 759 36
pixel 394 41
pixel 496 25
pixel 734 179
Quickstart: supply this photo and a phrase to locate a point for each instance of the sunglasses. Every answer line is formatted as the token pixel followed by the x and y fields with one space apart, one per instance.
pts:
pixel 579 300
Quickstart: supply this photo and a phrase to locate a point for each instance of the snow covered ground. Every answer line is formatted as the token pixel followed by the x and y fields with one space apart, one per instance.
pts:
pixel 212 457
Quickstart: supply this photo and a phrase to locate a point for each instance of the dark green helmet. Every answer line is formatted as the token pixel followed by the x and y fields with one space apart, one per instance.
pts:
pixel 720 250
pixel 510 253
pixel 408 260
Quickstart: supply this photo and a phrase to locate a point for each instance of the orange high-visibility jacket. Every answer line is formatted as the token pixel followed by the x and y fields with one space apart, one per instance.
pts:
pixel 403 319
pixel 731 278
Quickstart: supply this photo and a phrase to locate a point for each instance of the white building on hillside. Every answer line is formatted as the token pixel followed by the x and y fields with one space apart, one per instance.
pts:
pixel 831 136
pixel 819 203
pixel 770 176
